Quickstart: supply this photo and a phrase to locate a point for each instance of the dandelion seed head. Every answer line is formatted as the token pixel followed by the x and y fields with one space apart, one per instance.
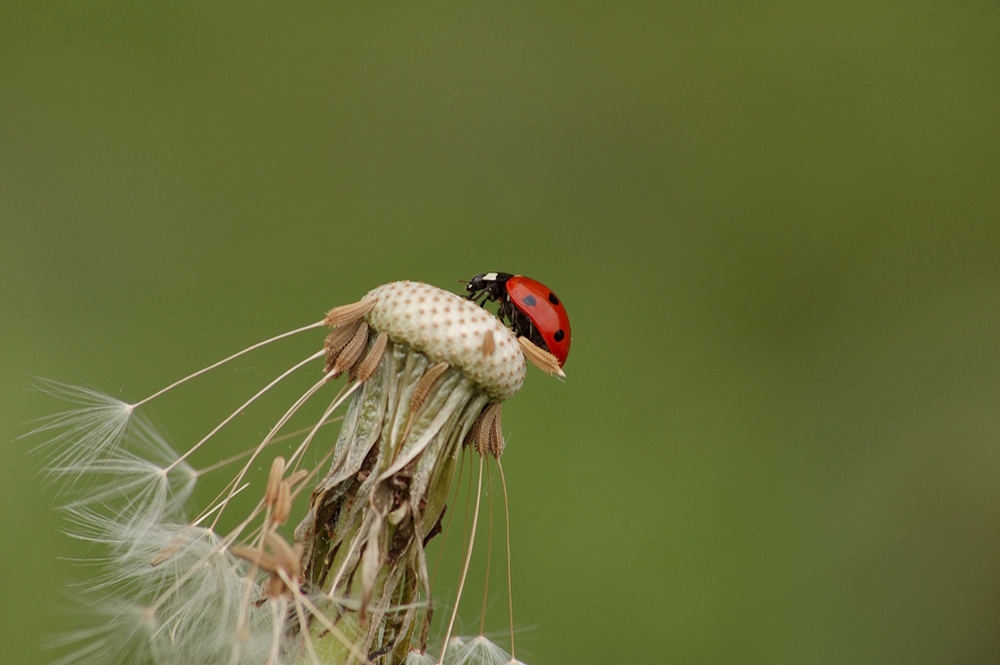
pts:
pixel 448 327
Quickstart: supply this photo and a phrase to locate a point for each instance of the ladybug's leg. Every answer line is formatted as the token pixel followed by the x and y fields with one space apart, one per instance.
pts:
pixel 486 294
pixel 480 297
pixel 505 312
pixel 523 327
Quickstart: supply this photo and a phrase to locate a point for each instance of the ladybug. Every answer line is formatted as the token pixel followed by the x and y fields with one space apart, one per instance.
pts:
pixel 531 309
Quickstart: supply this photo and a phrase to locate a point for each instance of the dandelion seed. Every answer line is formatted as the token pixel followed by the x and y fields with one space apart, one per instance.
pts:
pixel 76 437
pixel 118 632
pixel 427 371
pixel 478 650
pixel 128 490
pixel 420 658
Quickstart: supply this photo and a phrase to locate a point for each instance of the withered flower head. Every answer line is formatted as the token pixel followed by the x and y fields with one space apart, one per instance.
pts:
pixel 427 372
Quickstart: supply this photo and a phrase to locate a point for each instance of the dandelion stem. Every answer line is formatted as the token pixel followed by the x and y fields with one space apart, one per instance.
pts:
pixel 489 558
pixel 465 565
pixel 234 356
pixel 278 425
pixel 510 592
pixel 242 407
pixel 457 485
pixel 216 507
pixel 215 466
pixel 296 456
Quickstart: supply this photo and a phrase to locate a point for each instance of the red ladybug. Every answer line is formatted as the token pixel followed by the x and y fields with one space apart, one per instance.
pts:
pixel 530 307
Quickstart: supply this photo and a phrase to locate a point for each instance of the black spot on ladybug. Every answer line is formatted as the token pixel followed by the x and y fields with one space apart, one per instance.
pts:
pixel 559 335
pixel 529 301
pixel 553 299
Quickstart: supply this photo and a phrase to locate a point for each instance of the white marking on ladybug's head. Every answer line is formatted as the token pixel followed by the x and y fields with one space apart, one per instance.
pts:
pixel 489 277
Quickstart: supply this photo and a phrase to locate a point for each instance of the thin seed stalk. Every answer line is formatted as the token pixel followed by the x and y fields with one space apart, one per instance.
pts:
pixel 381 501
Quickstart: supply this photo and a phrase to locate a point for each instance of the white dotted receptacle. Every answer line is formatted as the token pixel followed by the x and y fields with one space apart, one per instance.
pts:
pixel 446 326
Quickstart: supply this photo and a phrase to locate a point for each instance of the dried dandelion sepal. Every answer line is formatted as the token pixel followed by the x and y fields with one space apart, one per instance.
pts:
pixel 397 456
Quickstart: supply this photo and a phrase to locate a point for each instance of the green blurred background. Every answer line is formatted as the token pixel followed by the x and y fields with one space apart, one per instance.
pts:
pixel 776 228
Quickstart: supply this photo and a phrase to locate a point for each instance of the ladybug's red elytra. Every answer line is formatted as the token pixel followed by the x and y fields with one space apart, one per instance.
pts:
pixel 530 308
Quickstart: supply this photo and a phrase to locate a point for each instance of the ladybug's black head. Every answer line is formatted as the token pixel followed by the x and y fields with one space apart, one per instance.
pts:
pixel 487 280
pixel 477 283
pixel 492 283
